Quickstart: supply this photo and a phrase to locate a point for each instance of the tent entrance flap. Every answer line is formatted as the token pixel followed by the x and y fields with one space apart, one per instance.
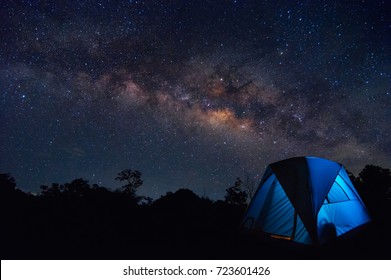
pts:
pixel 293 175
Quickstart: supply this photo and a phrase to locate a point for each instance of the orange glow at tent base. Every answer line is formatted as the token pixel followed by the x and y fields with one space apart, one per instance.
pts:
pixel 280 237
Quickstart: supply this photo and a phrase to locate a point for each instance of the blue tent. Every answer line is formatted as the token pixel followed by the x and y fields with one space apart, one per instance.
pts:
pixel 307 200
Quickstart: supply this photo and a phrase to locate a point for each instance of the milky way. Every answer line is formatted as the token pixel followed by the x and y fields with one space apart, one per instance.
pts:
pixel 191 93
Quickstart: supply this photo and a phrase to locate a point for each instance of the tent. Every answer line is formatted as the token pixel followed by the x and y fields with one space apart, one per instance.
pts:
pixel 305 199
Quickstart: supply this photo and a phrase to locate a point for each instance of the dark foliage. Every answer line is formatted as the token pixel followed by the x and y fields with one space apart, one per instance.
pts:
pixel 8 185
pixel 235 195
pixel 78 220
pixel 374 186
pixel 133 181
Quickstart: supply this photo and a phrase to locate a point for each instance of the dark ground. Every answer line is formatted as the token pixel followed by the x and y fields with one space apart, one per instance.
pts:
pixel 80 221
pixel 186 228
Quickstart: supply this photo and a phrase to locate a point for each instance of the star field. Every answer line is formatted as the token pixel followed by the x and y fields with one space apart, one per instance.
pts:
pixel 191 93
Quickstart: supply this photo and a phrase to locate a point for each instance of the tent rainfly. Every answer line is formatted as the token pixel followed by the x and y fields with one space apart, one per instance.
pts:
pixel 306 200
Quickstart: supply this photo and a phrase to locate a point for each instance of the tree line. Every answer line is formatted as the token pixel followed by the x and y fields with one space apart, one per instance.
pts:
pixel 83 220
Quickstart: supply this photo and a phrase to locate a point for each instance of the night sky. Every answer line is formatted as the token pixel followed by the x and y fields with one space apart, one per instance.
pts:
pixel 191 93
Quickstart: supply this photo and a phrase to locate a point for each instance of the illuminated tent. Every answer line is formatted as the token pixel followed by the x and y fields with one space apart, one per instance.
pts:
pixel 307 200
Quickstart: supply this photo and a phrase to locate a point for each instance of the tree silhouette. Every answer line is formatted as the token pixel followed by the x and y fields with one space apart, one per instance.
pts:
pixel 53 191
pixel 78 187
pixel 375 190
pixel 7 183
pixel 133 181
pixel 376 178
pixel 235 195
pixel 145 200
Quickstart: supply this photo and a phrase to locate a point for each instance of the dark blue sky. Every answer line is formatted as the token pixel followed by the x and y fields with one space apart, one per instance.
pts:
pixel 191 93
